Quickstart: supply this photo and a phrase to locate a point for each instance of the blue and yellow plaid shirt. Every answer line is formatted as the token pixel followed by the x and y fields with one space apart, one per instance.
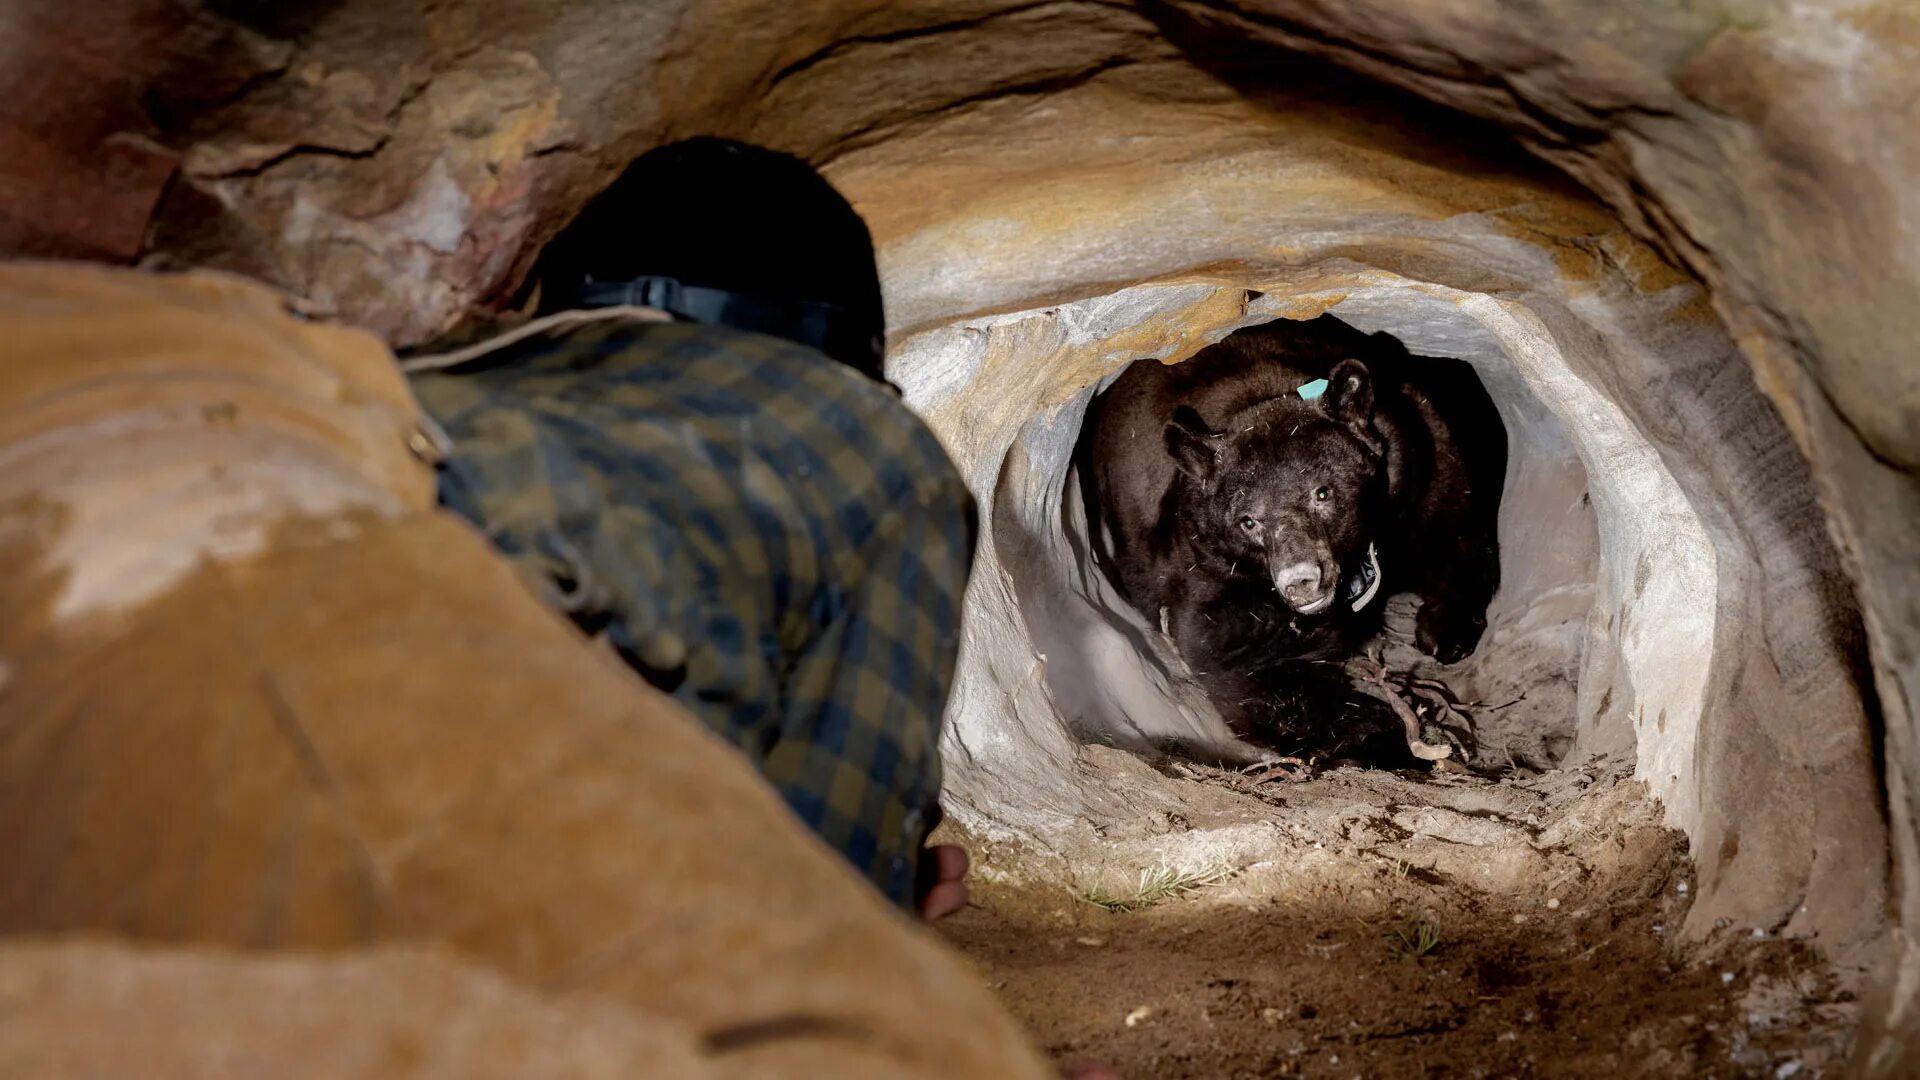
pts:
pixel 785 526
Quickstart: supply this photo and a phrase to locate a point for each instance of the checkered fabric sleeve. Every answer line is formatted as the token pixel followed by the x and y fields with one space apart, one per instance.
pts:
pixel 795 534
pixel 858 756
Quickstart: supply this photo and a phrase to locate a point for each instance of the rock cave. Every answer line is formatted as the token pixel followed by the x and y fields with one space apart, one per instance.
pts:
pixel 1675 243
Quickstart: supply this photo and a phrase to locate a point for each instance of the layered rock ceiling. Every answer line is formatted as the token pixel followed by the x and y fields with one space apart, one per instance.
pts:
pixel 1678 240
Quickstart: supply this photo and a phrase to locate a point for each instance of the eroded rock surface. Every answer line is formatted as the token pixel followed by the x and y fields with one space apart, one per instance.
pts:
pixel 1063 186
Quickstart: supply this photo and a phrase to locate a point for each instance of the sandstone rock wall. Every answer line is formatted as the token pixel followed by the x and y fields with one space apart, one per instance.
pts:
pixel 397 164
pixel 1770 148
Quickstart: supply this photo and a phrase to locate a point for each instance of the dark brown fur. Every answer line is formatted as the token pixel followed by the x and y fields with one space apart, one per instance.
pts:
pixel 1215 484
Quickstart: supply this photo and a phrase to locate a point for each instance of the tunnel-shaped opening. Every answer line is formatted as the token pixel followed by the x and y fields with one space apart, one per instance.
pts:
pixel 1638 579
pixel 1120 683
pixel 1629 599
pixel 1561 685
pixel 1671 607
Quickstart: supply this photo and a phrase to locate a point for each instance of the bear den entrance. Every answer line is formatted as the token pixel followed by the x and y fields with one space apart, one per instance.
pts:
pixel 1202 917
pixel 1670 680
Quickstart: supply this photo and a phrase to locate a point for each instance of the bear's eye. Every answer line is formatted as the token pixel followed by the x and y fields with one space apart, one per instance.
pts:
pixel 1248 523
pixel 1322 494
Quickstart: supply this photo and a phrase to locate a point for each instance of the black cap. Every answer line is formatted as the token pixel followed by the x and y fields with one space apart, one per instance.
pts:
pixel 716 214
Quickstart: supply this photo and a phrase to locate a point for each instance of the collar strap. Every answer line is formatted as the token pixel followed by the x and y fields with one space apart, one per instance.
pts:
pixel 810 322
pixel 1365 583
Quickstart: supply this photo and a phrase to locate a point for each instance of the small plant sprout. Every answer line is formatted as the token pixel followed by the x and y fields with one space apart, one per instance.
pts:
pixel 1414 940
pixel 1156 883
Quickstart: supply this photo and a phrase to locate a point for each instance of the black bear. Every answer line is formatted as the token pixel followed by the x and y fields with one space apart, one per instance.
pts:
pixel 1259 500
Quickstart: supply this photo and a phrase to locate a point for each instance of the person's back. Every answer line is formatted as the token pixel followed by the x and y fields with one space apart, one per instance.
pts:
pixel 754 520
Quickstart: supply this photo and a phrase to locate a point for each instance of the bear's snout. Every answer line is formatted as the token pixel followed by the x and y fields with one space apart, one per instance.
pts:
pixel 1305 587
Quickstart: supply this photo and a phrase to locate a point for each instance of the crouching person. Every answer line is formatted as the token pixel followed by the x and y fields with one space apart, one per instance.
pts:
pixel 694 452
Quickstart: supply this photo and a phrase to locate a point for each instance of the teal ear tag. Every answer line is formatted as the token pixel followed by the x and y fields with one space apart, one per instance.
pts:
pixel 1311 391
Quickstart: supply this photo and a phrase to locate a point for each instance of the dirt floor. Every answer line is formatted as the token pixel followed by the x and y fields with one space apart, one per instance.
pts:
pixel 1374 925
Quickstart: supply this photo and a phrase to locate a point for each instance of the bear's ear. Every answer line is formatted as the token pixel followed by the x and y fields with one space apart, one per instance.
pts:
pixel 1193 444
pixel 1349 396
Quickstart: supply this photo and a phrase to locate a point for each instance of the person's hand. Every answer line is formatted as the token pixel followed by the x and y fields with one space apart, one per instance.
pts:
pixel 948 893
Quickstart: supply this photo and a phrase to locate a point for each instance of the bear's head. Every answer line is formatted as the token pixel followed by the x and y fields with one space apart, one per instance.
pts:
pixel 1294 487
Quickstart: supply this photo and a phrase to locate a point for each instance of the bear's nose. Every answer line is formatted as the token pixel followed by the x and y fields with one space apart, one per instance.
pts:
pixel 1302 587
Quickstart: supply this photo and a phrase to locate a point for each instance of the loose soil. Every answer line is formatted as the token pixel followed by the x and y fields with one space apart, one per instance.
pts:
pixel 1552 908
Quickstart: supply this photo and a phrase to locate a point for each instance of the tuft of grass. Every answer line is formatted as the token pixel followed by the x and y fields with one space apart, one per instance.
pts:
pixel 1401 868
pixel 1156 883
pixel 1414 940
